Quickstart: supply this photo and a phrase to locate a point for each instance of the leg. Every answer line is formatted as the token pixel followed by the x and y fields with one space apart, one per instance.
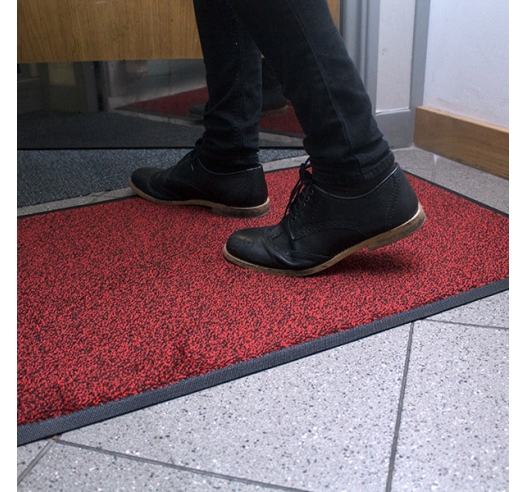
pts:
pixel 273 101
pixel 306 51
pixel 234 81
pixel 357 196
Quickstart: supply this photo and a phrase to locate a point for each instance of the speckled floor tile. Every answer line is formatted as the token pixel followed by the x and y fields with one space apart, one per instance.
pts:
pixel 478 185
pixel 416 161
pixel 491 311
pixel 67 469
pixel 26 454
pixel 454 429
pixel 323 423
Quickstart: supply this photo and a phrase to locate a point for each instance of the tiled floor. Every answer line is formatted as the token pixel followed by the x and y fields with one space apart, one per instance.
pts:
pixel 421 407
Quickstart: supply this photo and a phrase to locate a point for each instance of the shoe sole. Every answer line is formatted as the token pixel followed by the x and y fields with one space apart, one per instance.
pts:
pixel 371 244
pixel 217 208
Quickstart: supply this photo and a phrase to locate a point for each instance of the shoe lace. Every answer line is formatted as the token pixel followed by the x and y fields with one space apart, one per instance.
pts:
pixel 301 191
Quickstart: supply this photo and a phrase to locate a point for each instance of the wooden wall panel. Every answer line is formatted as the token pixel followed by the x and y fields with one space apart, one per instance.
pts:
pixel 468 141
pixel 334 6
pixel 89 30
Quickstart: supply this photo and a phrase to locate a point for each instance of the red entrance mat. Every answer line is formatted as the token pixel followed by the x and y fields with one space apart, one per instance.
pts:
pixel 126 304
pixel 180 104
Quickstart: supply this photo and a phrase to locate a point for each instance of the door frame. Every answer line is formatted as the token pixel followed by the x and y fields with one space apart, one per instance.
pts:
pixel 360 28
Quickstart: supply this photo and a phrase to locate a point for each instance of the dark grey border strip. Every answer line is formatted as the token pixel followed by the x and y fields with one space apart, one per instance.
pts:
pixel 40 430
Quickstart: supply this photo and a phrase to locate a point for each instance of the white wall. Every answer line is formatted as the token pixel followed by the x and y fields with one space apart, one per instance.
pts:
pixel 467 67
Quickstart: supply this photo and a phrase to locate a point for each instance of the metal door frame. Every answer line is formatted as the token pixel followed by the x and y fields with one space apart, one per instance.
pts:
pixel 360 29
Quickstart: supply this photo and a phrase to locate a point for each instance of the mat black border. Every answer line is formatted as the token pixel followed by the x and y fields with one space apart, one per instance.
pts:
pixel 45 429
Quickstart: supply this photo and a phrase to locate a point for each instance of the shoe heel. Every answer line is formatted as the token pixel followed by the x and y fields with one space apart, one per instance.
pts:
pixel 243 212
pixel 399 232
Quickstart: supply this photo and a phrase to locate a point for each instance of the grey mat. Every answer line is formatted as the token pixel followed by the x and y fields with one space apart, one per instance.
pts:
pixel 50 175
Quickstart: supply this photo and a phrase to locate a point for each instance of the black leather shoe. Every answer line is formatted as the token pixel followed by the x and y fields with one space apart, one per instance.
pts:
pixel 320 229
pixel 236 194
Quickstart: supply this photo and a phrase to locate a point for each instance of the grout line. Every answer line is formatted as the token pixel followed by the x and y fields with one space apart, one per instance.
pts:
pixel 179 467
pixel 467 325
pixel 35 461
pixel 391 467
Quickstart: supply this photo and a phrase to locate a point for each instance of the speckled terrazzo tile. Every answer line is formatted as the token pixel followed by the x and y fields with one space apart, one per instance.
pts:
pixel 67 469
pixel 454 428
pixel 478 185
pixel 26 454
pixel 491 311
pixel 325 422
pixel 416 161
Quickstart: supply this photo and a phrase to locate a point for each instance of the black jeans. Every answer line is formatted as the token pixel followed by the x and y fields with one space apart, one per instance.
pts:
pixel 307 53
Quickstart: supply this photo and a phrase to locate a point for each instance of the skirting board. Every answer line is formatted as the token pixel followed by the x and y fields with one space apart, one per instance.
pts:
pixel 470 142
